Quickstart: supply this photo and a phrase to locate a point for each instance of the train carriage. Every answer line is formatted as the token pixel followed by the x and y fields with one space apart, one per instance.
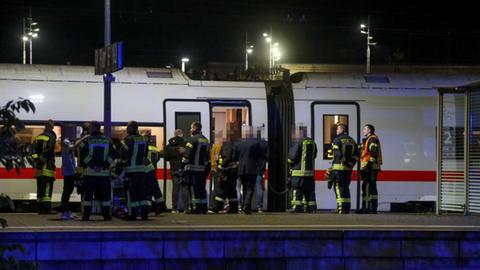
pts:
pixel 401 106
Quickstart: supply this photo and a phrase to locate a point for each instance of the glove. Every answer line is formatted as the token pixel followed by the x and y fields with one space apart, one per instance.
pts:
pixel 328 174
pixel 330 184
pixel 329 178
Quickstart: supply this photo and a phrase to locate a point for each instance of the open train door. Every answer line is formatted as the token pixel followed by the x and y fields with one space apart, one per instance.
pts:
pixel 325 117
pixel 179 114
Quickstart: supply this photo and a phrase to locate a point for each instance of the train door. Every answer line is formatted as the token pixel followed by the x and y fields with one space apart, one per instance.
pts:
pixel 179 114
pixel 325 118
pixel 228 118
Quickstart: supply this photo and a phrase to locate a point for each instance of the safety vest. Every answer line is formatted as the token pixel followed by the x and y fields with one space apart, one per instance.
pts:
pixel 371 144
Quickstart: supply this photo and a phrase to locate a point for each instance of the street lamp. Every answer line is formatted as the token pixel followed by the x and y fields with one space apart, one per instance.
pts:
pixel 29 33
pixel 184 61
pixel 365 29
pixel 273 50
pixel 248 50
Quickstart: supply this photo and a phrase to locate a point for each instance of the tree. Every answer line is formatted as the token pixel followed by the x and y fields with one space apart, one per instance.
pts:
pixel 13 154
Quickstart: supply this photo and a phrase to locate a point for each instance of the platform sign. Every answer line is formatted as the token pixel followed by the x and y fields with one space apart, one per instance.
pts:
pixel 109 59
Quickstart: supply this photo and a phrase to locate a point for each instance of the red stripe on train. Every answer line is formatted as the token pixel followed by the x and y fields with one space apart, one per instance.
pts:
pixel 393 176
pixel 384 176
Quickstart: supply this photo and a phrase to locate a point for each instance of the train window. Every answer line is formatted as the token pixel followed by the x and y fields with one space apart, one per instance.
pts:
pixel 330 123
pixel 27 136
pixel 183 120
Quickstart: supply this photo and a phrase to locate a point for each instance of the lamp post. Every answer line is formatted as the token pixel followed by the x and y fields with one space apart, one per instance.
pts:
pixel 184 61
pixel 274 53
pixel 268 39
pixel 248 50
pixel 365 29
pixel 30 31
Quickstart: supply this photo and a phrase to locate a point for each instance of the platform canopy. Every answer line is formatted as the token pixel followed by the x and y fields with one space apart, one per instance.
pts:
pixel 458 149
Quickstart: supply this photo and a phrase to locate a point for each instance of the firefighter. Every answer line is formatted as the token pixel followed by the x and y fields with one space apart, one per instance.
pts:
pixel 153 190
pixel 301 159
pixel 196 161
pixel 225 186
pixel 345 155
pixel 43 154
pixel 132 157
pixel 371 160
pixel 249 153
pixel 96 152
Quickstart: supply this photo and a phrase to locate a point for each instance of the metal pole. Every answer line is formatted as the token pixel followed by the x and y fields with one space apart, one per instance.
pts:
pixel 31 49
pixel 368 55
pixel 30 36
pixel 270 60
pixel 466 150
pixel 439 149
pixel 107 78
pixel 246 51
pixel 368 44
pixel 23 40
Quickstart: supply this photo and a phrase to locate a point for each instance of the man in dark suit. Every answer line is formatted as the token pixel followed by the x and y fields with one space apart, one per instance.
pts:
pixel 250 155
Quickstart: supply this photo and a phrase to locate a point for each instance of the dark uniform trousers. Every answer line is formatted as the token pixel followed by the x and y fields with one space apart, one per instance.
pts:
pixel 180 189
pixel 44 193
pixel 137 194
pixel 341 187
pixel 369 190
pixel 248 187
pixel 226 189
pixel 303 193
pixel 197 181
pixel 153 190
pixel 98 187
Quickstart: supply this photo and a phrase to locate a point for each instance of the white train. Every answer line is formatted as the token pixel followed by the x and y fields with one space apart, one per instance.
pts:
pixel 401 106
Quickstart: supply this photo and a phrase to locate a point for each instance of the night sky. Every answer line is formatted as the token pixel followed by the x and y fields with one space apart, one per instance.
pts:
pixel 158 33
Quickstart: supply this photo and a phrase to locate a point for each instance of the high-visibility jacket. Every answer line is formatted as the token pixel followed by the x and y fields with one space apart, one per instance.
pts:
pixel 345 153
pixel 96 152
pixel 301 158
pixel 197 154
pixel 43 153
pixel 371 153
pixel 153 157
pixel 133 153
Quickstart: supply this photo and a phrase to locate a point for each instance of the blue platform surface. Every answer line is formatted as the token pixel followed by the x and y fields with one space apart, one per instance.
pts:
pixel 250 242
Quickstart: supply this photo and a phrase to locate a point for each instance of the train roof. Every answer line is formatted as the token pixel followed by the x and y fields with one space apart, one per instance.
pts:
pixel 164 76
pixel 382 81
